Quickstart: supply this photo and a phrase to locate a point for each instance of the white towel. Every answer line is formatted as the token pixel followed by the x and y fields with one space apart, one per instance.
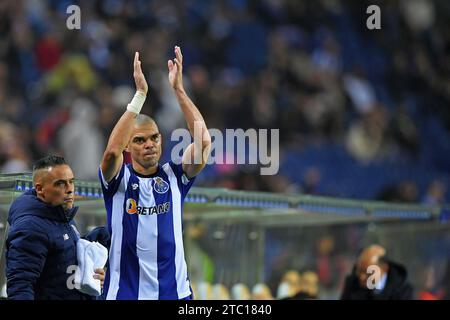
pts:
pixel 91 256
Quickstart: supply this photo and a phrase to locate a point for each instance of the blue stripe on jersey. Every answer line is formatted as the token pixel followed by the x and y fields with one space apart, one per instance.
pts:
pixel 166 246
pixel 129 263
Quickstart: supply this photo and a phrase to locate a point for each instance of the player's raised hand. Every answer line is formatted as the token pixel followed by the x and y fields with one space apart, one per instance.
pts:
pixel 139 79
pixel 176 70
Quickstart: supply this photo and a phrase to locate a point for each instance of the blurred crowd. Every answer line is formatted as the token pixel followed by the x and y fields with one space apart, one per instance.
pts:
pixel 318 262
pixel 310 68
pixel 293 285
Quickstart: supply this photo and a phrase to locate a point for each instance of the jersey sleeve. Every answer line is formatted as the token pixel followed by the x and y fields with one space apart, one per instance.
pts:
pixel 109 188
pixel 184 183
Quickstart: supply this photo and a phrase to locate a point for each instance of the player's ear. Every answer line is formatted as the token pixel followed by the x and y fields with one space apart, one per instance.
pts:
pixel 127 147
pixel 39 188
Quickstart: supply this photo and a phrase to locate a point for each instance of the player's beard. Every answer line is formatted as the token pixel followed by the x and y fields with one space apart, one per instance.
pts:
pixel 153 161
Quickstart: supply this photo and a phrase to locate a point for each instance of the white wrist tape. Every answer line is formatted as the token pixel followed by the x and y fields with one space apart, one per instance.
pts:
pixel 138 101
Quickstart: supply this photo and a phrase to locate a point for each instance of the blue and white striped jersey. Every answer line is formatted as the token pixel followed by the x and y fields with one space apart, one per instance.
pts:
pixel 146 258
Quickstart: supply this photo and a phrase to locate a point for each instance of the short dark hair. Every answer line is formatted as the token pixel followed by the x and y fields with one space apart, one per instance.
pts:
pixel 49 161
pixel 143 119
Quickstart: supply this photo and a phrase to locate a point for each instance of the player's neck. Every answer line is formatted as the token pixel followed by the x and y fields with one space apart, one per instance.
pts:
pixel 144 171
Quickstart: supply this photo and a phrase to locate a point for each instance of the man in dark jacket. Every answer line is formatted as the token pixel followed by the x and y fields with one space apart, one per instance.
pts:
pixel 41 254
pixel 376 278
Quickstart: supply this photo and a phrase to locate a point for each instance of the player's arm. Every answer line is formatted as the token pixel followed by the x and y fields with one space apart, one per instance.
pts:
pixel 197 153
pixel 112 158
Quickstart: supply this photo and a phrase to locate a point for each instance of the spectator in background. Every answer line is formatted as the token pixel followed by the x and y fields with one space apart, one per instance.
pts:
pixel 392 284
pixel 366 139
pixel 309 284
pixel 408 192
pixel 292 277
pixel 418 14
pixel 311 181
pixel 285 291
pixel 404 132
pixel 327 262
pixel 307 287
pixel 435 194
pixel 289 285
pixel 81 140
pixel 405 191
pixel 360 91
pixel 13 157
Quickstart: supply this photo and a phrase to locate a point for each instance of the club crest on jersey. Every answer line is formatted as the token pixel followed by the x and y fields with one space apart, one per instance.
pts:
pixel 159 185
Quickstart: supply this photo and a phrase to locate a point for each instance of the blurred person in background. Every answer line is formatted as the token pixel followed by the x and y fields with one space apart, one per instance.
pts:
pixel 311 181
pixel 327 263
pixel 304 286
pixel 285 291
pixel 289 285
pixel 392 284
pixel 81 131
pixel 405 191
pixel 435 194
pixel 13 157
pixel 292 277
pixel 367 137
pixel 309 285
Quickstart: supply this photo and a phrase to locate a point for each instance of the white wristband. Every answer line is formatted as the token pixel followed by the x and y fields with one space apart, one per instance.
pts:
pixel 136 104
